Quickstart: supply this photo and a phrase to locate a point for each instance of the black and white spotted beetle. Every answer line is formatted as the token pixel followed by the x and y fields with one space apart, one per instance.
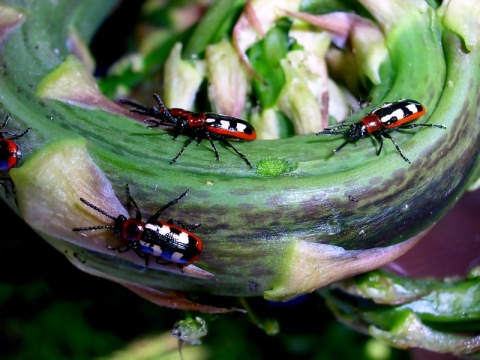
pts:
pixel 168 242
pixel 390 116
pixel 198 126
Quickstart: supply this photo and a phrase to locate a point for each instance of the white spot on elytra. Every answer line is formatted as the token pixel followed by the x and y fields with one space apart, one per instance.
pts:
pixel 399 114
pixel 412 108
pixel 151 249
pixel 241 127
pixel 176 257
pixel 165 231
pixel 225 124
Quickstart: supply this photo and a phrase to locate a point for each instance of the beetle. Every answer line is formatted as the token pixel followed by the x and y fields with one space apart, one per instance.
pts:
pixel 198 126
pixel 10 153
pixel 168 242
pixel 390 116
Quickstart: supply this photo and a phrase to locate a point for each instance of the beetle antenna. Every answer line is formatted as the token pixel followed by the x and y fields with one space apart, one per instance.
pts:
pixel 135 104
pixel 160 102
pixel 333 131
pixel 16 136
pixel 173 202
pixel 164 110
pixel 103 212
pixel 138 214
pixel 7 118
pixel 94 228
pixel 139 108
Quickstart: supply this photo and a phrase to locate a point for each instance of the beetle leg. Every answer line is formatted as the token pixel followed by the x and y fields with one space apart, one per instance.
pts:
pixel 206 134
pixel 190 139
pixel 387 135
pixel 411 126
pixel 161 261
pixel 226 142
pixel 378 136
pixel 143 256
pixel 341 146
